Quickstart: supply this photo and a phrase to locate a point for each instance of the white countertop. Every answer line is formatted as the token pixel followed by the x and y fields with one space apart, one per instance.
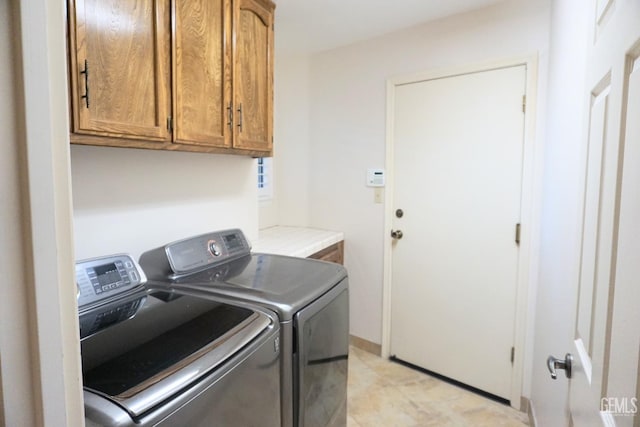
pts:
pixel 295 241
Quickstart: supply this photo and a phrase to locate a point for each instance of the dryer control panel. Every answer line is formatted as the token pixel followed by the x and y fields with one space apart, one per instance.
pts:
pixel 203 251
pixel 100 278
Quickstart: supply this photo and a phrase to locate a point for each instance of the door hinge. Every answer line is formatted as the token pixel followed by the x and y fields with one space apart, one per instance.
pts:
pixel 524 103
pixel 518 227
pixel 513 354
pixel 170 124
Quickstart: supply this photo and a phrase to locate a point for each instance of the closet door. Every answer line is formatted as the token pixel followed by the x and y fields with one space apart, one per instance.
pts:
pixel 604 386
pixel 458 180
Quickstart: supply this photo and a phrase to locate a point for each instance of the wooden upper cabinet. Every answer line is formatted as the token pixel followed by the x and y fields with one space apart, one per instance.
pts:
pixel 119 65
pixel 202 72
pixel 190 75
pixel 253 74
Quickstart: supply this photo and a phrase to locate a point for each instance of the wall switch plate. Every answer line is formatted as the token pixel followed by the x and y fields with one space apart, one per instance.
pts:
pixel 378 195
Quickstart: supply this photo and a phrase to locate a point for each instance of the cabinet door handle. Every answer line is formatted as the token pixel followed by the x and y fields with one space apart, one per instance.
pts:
pixel 86 83
pixel 230 116
pixel 240 117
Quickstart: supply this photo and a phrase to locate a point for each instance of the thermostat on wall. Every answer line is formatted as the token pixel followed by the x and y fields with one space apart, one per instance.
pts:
pixel 375 177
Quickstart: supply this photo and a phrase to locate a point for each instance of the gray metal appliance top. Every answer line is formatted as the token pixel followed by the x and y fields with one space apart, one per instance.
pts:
pixel 171 342
pixel 140 346
pixel 281 283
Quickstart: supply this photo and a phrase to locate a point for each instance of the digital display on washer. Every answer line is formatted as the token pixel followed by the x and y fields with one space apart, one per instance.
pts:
pixel 106 277
pixel 232 242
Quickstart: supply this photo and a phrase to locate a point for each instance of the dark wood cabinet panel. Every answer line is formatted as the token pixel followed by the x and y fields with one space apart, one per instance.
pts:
pixel 202 72
pixel 253 80
pixel 188 75
pixel 334 253
pixel 119 65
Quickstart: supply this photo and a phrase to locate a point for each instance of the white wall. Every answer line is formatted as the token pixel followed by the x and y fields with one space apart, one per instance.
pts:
pixel 128 200
pixel 560 220
pixel 347 124
pixel 291 148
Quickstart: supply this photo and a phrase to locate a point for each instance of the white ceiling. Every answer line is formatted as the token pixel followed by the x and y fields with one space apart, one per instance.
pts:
pixel 305 26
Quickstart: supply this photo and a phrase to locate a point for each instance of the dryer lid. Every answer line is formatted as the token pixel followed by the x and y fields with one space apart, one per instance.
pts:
pixel 281 283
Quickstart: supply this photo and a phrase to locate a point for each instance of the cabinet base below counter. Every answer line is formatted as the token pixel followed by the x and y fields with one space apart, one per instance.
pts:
pixel 301 242
pixel 334 253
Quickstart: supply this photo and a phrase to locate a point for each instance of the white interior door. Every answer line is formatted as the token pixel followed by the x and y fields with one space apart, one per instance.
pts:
pixel 458 149
pixel 604 384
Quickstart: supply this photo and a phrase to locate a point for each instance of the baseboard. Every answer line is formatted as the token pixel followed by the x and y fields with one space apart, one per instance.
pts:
pixel 365 345
pixel 526 403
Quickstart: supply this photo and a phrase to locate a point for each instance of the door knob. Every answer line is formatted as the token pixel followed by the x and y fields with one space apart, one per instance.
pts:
pixel 396 234
pixel 553 364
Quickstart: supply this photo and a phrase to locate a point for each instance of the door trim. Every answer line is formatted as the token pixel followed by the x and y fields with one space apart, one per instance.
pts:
pixel 530 212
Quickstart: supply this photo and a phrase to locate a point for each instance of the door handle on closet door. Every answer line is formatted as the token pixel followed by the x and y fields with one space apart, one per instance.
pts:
pixel 566 364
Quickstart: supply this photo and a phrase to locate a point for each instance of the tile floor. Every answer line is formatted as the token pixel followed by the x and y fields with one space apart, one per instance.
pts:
pixel 387 394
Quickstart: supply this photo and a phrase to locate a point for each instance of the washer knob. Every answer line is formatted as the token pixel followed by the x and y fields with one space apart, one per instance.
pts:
pixel 213 248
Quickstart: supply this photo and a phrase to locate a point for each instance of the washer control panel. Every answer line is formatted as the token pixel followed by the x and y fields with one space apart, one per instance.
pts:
pixel 104 277
pixel 199 252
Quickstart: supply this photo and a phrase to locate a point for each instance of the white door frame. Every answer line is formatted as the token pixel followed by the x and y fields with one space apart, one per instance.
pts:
pixel 531 189
pixel 40 369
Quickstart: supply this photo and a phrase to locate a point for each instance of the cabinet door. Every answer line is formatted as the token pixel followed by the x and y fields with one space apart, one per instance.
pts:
pixel 202 72
pixel 120 68
pixel 253 74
